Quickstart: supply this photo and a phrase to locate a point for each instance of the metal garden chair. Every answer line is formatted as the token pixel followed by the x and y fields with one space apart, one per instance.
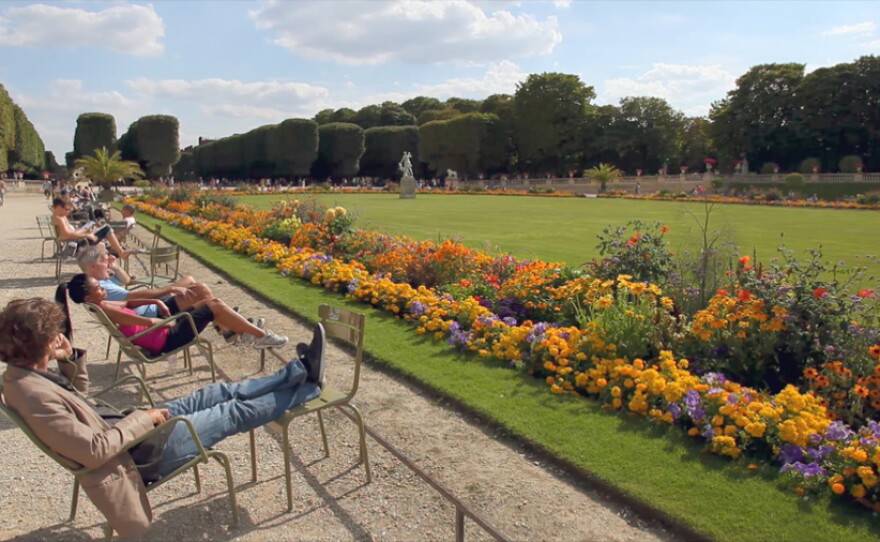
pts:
pixel 347 326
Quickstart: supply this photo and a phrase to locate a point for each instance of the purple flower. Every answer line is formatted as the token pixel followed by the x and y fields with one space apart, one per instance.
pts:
pixel 820 453
pixel 692 404
pixel 789 453
pixel 732 398
pixel 675 410
pixel 707 431
pixel 806 470
pixel 837 431
pixel 509 320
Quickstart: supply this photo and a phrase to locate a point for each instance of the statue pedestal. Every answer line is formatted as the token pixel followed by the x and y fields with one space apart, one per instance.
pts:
pixel 407 188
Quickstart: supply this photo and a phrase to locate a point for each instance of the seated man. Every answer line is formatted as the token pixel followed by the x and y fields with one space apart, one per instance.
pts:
pixel 171 299
pixel 95 436
pixel 66 232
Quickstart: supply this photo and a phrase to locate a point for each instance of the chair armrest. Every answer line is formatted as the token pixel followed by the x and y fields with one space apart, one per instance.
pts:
pixel 167 424
pixel 171 318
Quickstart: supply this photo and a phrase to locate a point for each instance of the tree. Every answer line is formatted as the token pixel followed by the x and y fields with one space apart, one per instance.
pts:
pixel 430 115
pixel 602 174
pixel 756 118
pixel 418 105
pixel 368 117
pixel 463 105
pixel 501 105
pixel 293 146
pixel 393 114
pixel 550 111
pixel 105 168
pixel 696 143
pixel 647 132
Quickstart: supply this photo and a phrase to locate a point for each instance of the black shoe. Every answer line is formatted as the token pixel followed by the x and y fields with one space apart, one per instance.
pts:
pixel 312 356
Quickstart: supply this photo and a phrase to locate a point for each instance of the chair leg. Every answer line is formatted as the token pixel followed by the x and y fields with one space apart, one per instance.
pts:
pixel 74 501
pixel 253 441
pixel 285 441
pixel 118 364
pixel 198 478
pixel 224 460
pixel 323 435
pixel 109 342
pixel 108 533
pixel 365 460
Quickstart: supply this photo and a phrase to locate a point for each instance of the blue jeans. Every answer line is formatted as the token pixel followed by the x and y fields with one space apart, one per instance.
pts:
pixel 224 409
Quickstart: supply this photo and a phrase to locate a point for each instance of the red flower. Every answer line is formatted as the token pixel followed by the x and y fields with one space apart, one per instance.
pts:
pixel 820 292
pixel 664 228
pixel 866 292
pixel 721 291
pixel 743 295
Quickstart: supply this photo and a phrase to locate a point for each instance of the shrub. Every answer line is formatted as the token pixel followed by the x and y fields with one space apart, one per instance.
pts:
pixel 794 182
pixel 717 184
pixel 210 198
pixel 769 167
pixel 808 164
pixel 636 249
pixel 850 163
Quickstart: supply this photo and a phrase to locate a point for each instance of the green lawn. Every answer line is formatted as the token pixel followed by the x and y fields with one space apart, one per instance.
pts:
pixel 669 472
pixel 565 229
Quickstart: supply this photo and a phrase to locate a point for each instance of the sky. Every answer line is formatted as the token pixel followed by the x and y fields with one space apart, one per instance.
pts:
pixel 225 67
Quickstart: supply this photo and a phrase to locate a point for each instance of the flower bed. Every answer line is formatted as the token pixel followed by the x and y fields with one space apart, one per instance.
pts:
pixel 611 340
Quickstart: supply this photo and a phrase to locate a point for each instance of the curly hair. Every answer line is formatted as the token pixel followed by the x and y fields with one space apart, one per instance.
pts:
pixel 27 326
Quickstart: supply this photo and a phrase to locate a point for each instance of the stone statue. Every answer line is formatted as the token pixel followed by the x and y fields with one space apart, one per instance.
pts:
pixel 405 165
pixel 451 174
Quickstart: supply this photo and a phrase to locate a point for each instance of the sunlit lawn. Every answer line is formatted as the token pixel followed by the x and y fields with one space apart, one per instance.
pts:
pixel 565 229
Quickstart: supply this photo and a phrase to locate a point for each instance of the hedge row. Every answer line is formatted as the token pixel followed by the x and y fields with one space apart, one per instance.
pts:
pixel 21 147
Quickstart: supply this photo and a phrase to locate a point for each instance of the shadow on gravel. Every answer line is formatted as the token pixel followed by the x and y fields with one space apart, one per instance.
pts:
pixel 15 283
pixel 60 531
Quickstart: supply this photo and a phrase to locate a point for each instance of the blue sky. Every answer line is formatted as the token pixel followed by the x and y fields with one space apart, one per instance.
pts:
pixel 224 67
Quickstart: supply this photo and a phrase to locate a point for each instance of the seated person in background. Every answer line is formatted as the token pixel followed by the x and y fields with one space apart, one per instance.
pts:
pixel 94 436
pixel 128 215
pixel 66 232
pixel 171 299
pixel 83 288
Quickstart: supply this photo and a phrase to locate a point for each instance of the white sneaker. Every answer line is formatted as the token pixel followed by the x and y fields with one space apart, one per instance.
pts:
pixel 246 338
pixel 270 340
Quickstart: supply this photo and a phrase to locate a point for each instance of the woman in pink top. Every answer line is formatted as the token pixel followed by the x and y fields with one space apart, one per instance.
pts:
pixel 174 334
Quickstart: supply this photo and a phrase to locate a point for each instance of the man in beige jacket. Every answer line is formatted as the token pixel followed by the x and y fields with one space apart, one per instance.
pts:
pixel 89 435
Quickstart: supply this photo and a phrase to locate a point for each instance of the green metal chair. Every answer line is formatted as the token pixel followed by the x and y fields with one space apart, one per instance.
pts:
pixel 163 268
pixel 203 455
pixel 141 357
pixel 47 233
pixel 347 326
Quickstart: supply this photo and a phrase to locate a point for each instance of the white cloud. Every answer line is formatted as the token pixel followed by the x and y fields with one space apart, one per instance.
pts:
pixel 873 45
pixel 866 27
pixel 500 78
pixel 243 112
pixel 416 32
pixel 690 88
pixel 215 89
pixel 562 3
pixel 125 28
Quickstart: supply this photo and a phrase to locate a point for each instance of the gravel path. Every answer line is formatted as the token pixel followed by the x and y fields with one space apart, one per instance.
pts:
pixel 511 489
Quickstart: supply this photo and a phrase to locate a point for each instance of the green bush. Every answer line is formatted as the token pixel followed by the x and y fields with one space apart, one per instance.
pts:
pixel 768 167
pixel 808 164
pixel 850 163
pixel 794 182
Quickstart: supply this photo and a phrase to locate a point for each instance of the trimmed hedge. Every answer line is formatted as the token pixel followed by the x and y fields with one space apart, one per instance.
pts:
pixel 469 144
pixel 826 191
pixel 93 131
pixel 340 147
pixel 384 146
pixel 29 154
pixel 157 140
pixel 293 147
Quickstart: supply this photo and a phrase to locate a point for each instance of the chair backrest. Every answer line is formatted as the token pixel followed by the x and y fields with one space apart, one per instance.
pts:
pixel 168 256
pixel 16 419
pixel 157 234
pixel 120 228
pixel 129 348
pixel 347 326
pixel 44 222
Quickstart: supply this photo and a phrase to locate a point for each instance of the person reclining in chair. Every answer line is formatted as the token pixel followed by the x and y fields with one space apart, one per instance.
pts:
pixel 83 288
pixel 61 207
pixel 178 296
pixel 94 436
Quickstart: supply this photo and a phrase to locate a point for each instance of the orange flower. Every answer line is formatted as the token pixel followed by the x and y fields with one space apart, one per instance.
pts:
pixel 819 292
pixel 861 391
pixel 721 291
pixel 664 228
pixel 874 351
pixel 865 292
pixel 810 373
pixel 744 262
pixel 743 295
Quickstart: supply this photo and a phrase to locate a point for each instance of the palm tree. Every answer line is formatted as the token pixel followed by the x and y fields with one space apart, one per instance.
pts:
pixel 105 168
pixel 602 174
